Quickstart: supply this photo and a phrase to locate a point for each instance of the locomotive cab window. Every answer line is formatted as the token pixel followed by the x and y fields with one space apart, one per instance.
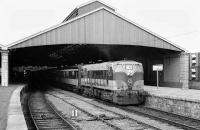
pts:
pixel 129 67
pixel 119 67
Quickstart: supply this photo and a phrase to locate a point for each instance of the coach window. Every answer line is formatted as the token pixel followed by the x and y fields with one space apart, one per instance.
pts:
pixel 89 74
pixel 93 74
pixel 107 76
pixel 97 74
pixel 76 74
pixel 64 74
pixel 72 74
pixel 82 73
pixel 110 71
pixel 69 74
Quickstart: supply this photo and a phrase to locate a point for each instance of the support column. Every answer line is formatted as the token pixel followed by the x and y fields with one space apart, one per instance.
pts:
pixel 176 70
pixel 4 68
pixel 184 67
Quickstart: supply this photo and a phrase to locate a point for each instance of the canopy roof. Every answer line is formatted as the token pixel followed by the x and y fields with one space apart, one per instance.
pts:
pixel 99 26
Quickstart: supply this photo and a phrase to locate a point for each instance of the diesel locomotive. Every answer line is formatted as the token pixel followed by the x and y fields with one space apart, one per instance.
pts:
pixel 119 82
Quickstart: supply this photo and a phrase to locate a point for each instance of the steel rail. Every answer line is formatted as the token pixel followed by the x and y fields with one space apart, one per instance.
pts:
pixel 101 119
pixel 53 111
pixel 31 113
pixel 175 123
pixel 124 117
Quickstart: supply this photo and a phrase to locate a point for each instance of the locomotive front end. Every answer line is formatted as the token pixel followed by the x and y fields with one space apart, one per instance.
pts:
pixel 134 76
pixel 130 82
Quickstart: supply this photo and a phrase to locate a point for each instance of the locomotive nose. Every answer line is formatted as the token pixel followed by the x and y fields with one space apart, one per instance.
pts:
pixel 130 81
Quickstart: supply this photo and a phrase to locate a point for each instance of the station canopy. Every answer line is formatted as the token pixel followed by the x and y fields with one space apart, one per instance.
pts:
pixel 96 23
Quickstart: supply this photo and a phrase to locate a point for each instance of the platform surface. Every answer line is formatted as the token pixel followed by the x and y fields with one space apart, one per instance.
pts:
pixel 15 115
pixel 5 94
pixel 174 93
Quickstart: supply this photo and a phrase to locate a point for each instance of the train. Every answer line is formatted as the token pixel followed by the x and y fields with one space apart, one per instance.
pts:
pixel 119 82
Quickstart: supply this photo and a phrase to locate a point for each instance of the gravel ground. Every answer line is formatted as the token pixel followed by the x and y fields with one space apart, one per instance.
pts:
pixel 146 120
pixel 128 125
pixel 88 107
pixel 121 123
pixel 5 94
pixel 124 124
pixel 83 121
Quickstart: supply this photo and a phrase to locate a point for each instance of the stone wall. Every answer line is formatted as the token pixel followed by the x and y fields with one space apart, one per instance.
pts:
pixel 176 106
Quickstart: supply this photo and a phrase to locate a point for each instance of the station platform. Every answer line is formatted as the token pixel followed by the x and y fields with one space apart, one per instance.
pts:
pixel 185 102
pixel 174 93
pixel 11 115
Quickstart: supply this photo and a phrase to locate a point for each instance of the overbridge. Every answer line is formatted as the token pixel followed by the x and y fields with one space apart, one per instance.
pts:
pixel 95 32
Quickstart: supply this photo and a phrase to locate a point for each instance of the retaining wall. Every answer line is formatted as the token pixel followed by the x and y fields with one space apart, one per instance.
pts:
pixel 189 108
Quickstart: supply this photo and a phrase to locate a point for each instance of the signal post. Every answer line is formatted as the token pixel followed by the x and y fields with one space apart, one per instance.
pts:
pixel 157 68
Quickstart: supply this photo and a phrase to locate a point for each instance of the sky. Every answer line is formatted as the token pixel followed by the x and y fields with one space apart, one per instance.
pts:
pixel 176 20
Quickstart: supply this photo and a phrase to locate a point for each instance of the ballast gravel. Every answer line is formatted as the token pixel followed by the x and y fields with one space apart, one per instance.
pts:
pixel 66 95
pixel 82 120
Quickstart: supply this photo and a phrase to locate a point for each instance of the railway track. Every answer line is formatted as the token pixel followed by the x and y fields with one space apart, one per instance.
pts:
pixel 27 116
pixel 104 118
pixel 173 119
pixel 92 115
pixel 44 116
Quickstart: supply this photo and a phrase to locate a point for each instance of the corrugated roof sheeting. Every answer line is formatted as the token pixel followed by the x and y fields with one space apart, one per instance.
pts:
pixel 87 7
pixel 99 27
pixel 92 6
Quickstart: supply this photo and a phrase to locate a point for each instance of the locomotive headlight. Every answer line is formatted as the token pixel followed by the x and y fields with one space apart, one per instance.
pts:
pixel 130 82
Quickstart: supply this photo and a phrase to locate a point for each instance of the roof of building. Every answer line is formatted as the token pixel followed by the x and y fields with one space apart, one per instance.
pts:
pixel 95 1
pixel 81 16
pixel 3 47
pixel 88 3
